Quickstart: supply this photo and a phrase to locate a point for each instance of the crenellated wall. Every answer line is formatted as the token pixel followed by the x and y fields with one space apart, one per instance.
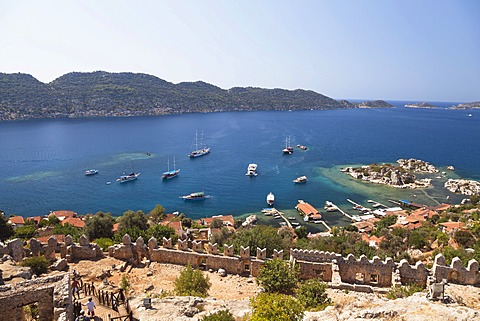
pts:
pixel 417 274
pixel 456 273
pixel 330 267
pixel 363 271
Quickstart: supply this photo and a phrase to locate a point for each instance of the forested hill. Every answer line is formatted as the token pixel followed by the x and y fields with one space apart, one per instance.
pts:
pixel 129 94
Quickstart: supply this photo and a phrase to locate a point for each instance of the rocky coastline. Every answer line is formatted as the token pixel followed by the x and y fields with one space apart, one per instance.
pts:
pixel 463 186
pixel 420 105
pixel 472 105
pixel 400 176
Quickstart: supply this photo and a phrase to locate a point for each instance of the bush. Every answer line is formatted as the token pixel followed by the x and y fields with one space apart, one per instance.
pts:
pixel 397 292
pixel 104 243
pixel 312 293
pixel 38 264
pixel 192 282
pixel 222 315
pixel 276 306
pixel 277 276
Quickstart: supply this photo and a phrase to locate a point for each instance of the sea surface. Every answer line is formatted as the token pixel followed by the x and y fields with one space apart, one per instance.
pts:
pixel 42 162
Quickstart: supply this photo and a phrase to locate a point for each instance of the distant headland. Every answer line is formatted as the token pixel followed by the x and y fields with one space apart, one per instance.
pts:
pixel 100 93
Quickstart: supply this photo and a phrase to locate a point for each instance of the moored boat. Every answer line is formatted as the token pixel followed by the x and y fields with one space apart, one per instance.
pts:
pixel 270 199
pixel 170 173
pixel 251 170
pixel 300 180
pixel 288 149
pixel 196 196
pixel 203 150
pixel 302 147
pixel 128 177
pixel 91 172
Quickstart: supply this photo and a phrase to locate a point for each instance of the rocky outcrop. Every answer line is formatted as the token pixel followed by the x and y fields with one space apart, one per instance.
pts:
pixel 416 166
pixel 420 105
pixel 397 176
pixel 463 186
pixel 475 104
pixel 374 104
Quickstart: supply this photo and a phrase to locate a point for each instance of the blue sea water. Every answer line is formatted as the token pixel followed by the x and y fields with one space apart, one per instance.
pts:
pixel 42 162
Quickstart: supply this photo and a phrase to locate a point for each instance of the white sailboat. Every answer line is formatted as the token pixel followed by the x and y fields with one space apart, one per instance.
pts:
pixel 128 177
pixel 203 150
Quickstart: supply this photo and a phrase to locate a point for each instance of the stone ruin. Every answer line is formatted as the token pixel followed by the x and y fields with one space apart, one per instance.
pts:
pixel 68 250
pixel 51 294
pixel 456 273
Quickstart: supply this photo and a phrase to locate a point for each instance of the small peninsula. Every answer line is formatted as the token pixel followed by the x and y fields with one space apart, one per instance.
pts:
pixel 400 176
pixel 420 105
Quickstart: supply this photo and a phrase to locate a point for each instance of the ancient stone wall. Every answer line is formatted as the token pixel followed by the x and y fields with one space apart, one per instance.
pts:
pixel 363 271
pixel 51 294
pixel 417 274
pixel 456 273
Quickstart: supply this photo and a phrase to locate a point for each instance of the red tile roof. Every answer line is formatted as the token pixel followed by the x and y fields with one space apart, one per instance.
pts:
pixel 74 222
pixel 44 239
pixel 451 226
pixel 226 219
pixel 17 220
pixel 64 214
pixel 307 209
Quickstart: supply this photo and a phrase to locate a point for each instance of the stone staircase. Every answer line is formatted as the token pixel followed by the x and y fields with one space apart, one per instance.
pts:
pixel 103 312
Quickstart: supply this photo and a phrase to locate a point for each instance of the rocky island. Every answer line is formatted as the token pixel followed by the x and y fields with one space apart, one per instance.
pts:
pixel 420 105
pixel 472 105
pixel 375 104
pixel 400 176
pixel 463 186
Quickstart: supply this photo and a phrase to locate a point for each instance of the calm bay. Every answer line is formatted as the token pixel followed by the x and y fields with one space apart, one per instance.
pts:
pixel 43 161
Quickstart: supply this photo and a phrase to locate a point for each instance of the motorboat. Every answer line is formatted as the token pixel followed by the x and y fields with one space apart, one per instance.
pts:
pixel 300 180
pixel 252 170
pixel 91 172
pixel 270 199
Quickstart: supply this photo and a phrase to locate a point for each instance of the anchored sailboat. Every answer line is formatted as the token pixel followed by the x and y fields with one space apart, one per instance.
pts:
pixel 130 177
pixel 203 150
pixel 170 173
pixel 288 148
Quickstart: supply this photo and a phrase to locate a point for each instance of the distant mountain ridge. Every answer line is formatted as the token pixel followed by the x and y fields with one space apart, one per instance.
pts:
pixel 100 93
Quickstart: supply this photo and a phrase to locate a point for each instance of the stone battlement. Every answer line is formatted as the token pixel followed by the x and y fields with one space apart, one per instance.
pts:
pixel 330 267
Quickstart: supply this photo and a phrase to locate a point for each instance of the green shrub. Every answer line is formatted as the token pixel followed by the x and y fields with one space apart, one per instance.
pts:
pixel 277 276
pixel 222 315
pixel 192 282
pixel 125 283
pixel 104 243
pixel 397 292
pixel 312 293
pixel 276 306
pixel 38 264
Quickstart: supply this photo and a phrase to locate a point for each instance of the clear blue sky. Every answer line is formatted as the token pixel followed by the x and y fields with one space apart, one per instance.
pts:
pixel 382 49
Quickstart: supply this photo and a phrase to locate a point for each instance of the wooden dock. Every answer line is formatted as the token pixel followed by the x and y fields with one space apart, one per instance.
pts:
pixel 347 215
pixel 277 212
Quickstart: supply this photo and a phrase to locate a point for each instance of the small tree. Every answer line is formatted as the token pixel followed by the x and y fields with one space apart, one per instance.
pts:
pixel 6 230
pixel 125 284
pixel 38 264
pixel 222 315
pixel 277 276
pixel 99 225
pixel 312 293
pixel 276 306
pixel 192 282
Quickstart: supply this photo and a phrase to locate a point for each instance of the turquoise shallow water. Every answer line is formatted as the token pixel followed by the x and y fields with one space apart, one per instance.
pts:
pixel 43 161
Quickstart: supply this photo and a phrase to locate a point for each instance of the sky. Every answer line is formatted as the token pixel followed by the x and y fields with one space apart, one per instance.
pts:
pixel 414 50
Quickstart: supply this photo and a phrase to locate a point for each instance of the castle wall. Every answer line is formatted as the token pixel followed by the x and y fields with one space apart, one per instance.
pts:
pixel 455 272
pixel 375 272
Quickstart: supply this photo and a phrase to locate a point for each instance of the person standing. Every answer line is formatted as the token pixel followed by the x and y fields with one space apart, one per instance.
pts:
pixel 75 288
pixel 91 307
